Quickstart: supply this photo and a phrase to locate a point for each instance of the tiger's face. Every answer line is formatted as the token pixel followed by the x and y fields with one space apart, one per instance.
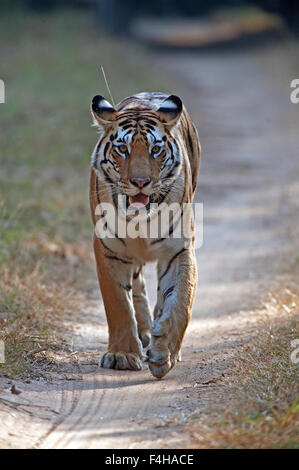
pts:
pixel 137 154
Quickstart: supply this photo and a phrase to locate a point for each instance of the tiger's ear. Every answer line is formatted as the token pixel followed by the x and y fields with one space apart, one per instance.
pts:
pixel 102 111
pixel 170 110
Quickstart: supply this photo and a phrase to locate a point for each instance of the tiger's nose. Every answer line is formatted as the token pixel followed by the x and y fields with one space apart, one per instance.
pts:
pixel 140 182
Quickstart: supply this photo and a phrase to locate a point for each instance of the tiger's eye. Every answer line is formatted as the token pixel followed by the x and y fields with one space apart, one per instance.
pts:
pixel 155 149
pixel 122 148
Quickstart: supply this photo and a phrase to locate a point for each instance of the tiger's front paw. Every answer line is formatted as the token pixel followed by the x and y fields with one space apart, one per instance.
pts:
pixel 160 363
pixel 120 361
pixel 165 348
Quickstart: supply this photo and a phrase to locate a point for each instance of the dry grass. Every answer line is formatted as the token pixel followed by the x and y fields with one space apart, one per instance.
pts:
pixel 31 313
pixel 262 408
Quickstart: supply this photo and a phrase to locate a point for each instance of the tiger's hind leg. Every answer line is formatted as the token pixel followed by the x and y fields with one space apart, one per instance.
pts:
pixel 142 308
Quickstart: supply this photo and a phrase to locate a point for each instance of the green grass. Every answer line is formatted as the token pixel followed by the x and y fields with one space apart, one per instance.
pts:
pixel 51 68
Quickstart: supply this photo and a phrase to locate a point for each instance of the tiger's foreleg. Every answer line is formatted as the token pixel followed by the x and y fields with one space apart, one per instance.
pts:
pixel 115 278
pixel 177 284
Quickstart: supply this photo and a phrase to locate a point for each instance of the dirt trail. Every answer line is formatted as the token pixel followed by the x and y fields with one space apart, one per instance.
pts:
pixel 247 127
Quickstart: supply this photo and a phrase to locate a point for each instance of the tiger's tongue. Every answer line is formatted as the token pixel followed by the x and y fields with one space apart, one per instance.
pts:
pixel 139 200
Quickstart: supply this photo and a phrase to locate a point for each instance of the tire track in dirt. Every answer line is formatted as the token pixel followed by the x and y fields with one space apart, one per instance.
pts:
pixel 87 407
pixel 64 412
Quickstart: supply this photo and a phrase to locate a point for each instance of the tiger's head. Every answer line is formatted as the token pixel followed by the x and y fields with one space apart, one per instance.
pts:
pixel 137 153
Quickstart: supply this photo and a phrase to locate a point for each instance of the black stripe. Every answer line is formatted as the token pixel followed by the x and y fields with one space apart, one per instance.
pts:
pixel 138 116
pixel 170 147
pixel 169 174
pixel 126 121
pixel 171 229
pixel 125 135
pixel 113 165
pixel 106 148
pixel 109 249
pixel 170 262
pixel 158 240
pixel 99 202
pixel 116 206
pixel 107 177
pixel 106 226
pixel 171 171
pixel 118 259
pixel 148 120
pixel 150 127
pixel 105 246
pixel 135 275
pixel 182 211
pixel 162 155
pixel 107 162
pixel 185 183
pixel 97 152
pixel 161 199
pixel 168 292
pixel 190 141
pixel 97 190
pixel 150 132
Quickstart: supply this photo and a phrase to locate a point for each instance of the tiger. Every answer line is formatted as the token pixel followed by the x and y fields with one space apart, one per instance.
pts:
pixel 148 153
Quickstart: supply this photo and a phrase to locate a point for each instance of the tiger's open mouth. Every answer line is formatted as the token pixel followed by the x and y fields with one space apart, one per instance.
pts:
pixel 139 200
